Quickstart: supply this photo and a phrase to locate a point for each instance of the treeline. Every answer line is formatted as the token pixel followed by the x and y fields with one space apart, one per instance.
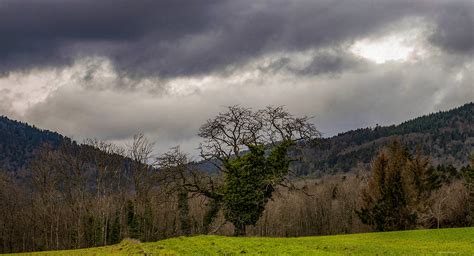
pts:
pixel 444 136
pixel 20 141
pixel 404 193
pixel 77 198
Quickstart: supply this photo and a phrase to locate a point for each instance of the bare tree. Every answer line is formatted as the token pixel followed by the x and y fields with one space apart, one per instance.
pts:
pixel 250 147
pixel 144 178
pixel 233 131
pixel 107 162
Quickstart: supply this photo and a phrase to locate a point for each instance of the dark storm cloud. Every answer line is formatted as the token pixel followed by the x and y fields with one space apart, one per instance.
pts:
pixel 331 63
pixel 325 62
pixel 54 32
pixel 241 30
pixel 379 94
pixel 455 27
pixel 174 38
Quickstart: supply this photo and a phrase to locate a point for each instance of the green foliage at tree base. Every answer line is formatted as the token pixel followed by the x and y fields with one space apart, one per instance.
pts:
pixel 250 182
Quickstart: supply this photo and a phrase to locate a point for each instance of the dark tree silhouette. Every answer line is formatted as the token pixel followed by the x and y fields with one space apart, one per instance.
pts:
pixel 250 149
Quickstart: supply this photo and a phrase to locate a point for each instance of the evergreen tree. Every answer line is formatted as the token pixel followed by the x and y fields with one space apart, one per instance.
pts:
pixel 435 179
pixel 115 236
pixel 92 230
pixel 132 221
pixel 394 190
pixel 419 174
pixel 469 184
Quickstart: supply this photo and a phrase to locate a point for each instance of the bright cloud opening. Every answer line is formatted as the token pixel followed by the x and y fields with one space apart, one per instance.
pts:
pixel 400 46
pixel 388 49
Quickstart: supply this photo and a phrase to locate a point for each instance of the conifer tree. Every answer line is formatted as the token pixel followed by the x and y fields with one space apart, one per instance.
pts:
pixel 396 189
pixel 132 222
pixel 469 184
pixel 114 236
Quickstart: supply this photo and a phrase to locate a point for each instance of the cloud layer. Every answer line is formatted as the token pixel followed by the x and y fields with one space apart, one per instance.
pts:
pixel 110 69
pixel 175 38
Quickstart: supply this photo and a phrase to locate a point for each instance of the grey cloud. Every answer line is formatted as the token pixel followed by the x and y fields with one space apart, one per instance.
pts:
pixel 150 44
pixel 455 27
pixel 115 116
pixel 53 32
pixel 5 103
pixel 333 63
pixel 178 38
pixel 249 29
pixel 380 94
pixel 329 62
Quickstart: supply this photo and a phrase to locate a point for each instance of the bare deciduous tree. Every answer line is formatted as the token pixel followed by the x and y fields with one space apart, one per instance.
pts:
pixel 233 131
pixel 251 151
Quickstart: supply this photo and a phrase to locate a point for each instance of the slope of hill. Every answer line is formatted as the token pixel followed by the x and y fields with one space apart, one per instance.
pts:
pixel 458 241
pixel 446 137
pixel 18 142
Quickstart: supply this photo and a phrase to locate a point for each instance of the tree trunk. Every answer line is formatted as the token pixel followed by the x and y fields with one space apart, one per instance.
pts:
pixel 239 229
pixel 211 213
pixel 57 232
pixel 183 211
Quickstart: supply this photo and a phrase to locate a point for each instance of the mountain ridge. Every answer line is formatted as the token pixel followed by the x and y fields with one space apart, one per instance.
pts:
pixel 445 136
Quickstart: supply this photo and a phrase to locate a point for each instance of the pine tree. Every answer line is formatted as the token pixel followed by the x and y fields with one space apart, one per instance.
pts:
pixel 393 189
pixel 434 178
pixel 115 236
pixel 469 184
pixel 132 221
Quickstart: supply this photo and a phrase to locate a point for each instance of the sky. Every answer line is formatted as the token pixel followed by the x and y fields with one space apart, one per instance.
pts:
pixel 110 69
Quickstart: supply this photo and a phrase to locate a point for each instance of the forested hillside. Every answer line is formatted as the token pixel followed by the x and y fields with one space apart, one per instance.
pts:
pixel 19 142
pixel 97 193
pixel 446 137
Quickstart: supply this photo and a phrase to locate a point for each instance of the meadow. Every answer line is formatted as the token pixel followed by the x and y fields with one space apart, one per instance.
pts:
pixel 455 241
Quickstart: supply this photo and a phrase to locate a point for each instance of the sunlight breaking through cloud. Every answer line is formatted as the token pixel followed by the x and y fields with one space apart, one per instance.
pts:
pixel 405 45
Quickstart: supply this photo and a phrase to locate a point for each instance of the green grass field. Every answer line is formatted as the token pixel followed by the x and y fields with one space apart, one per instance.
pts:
pixel 458 241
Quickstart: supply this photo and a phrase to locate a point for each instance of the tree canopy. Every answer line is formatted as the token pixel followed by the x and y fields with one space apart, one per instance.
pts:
pixel 251 150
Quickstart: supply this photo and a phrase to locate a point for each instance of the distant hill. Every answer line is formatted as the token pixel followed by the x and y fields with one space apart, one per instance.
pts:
pixel 19 141
pixel 446 137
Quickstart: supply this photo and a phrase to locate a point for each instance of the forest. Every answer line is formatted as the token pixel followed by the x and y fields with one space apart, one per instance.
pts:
pixel 223 127
pixel 96 193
